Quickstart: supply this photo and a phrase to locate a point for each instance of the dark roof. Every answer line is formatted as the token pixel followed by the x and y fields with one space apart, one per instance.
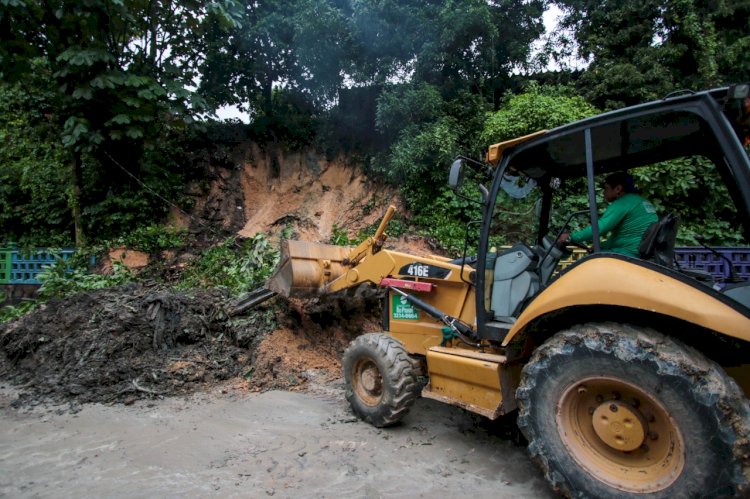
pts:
pixel 622 139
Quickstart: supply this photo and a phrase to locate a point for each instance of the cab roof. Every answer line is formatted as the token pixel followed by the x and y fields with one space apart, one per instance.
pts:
pixel 623 139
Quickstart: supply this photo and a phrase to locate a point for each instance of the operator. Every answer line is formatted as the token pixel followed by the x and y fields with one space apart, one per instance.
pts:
pixel 625 220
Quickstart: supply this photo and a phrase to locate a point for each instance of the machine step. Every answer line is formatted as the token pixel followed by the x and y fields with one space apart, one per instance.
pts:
pixel 480 382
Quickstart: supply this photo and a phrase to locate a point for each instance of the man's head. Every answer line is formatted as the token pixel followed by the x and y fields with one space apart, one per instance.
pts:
pixel 617 184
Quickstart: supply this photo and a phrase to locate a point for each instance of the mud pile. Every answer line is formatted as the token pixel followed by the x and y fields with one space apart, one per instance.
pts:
pixel 131 342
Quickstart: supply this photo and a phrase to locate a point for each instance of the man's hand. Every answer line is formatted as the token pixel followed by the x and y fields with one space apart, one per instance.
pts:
pixel 563 238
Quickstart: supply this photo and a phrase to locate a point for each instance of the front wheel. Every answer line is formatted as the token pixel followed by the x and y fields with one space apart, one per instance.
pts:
pixel 382 380
pixel 611 410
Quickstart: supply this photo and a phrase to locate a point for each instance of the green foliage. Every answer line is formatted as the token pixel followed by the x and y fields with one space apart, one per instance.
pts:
pixel 33 175
pixel 340 237
pixel 65 278
pixel 643 50
pixel 153 238
pixel 446 221
pixel 692 188
pixel 427 139
pixel 422 153
pixel 473 45
pixel 408 105
pixel 536 109
pixel 12 312
pixel 240 266
pixel 419 161
pixel 108 87
pixel 287 232
pixel 119 78
pixel 36 194
pixel 290 119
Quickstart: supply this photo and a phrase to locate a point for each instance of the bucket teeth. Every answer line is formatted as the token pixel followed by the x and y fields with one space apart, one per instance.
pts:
pixel 305 268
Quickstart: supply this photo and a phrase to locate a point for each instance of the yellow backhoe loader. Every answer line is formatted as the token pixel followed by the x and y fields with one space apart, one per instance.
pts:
pixel 630 375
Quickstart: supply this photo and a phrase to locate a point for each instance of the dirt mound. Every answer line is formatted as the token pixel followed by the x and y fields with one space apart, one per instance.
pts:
pixel 125 343
pixel 311 340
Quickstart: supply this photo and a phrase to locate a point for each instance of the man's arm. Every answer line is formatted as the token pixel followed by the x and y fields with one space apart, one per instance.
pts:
pixel 611 218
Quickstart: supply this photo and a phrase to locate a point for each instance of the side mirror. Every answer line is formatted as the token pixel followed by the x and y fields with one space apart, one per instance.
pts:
pixel 456 175
pixel 456 181
pixel 740 91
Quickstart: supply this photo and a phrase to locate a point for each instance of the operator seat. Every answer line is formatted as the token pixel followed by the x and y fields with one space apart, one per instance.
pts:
pixel 659 239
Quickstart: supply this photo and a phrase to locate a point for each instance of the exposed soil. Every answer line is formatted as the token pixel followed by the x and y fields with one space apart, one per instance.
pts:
pixel 269 190
pixel 132 342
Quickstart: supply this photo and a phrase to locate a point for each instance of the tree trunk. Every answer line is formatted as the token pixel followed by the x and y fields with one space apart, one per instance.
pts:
pixel 268 97
pixel 75 200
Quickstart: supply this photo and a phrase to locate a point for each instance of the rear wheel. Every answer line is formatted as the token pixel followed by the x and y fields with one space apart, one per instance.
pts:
pixel 611 410
pixel 382 380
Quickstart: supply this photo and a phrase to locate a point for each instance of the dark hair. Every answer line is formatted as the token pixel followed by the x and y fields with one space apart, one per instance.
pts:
pixel 621 178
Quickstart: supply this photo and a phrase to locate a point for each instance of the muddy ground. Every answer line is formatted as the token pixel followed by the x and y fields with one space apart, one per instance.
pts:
pixel 228 442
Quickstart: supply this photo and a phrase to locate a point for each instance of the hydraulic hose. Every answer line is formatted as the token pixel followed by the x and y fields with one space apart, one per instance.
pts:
pixel 463 331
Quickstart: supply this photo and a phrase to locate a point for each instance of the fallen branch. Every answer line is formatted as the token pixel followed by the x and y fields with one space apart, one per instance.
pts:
pixel 145 390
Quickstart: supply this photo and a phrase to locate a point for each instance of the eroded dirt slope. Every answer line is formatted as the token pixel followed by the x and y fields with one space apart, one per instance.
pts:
pixel 269 190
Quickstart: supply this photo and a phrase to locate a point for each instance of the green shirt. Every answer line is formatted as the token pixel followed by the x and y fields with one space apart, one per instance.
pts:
pixel 625 220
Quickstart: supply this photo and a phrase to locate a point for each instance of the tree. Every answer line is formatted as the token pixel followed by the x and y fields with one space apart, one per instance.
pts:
pixel 298 46
pixel 242 66
pixel 640 51
pixel 122 71
pixel 475 45
pixel 31 166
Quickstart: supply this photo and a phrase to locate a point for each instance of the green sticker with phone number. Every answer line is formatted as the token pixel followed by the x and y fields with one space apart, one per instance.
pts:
pixel 401 309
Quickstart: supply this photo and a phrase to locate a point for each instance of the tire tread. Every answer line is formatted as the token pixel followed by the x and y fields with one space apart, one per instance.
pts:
pixel 709 384
pixel 401 372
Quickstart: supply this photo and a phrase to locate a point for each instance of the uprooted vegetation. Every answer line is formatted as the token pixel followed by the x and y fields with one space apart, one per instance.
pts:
pixel 125 343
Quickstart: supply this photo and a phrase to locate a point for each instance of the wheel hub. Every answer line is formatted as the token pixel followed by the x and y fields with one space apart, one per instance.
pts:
pixel 621 434
pixel 619 425
pixel 371 379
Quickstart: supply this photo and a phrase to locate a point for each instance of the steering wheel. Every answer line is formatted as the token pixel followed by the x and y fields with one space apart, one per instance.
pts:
pixel 570 242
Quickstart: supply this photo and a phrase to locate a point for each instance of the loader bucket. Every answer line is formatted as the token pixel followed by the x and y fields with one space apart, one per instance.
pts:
pixel 305 268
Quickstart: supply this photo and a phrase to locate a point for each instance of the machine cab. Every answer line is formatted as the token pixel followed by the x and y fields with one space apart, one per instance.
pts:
pixel 711 125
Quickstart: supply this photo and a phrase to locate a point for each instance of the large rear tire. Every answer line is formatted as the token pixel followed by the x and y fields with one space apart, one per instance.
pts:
pixel 612 410
pixel 382 380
